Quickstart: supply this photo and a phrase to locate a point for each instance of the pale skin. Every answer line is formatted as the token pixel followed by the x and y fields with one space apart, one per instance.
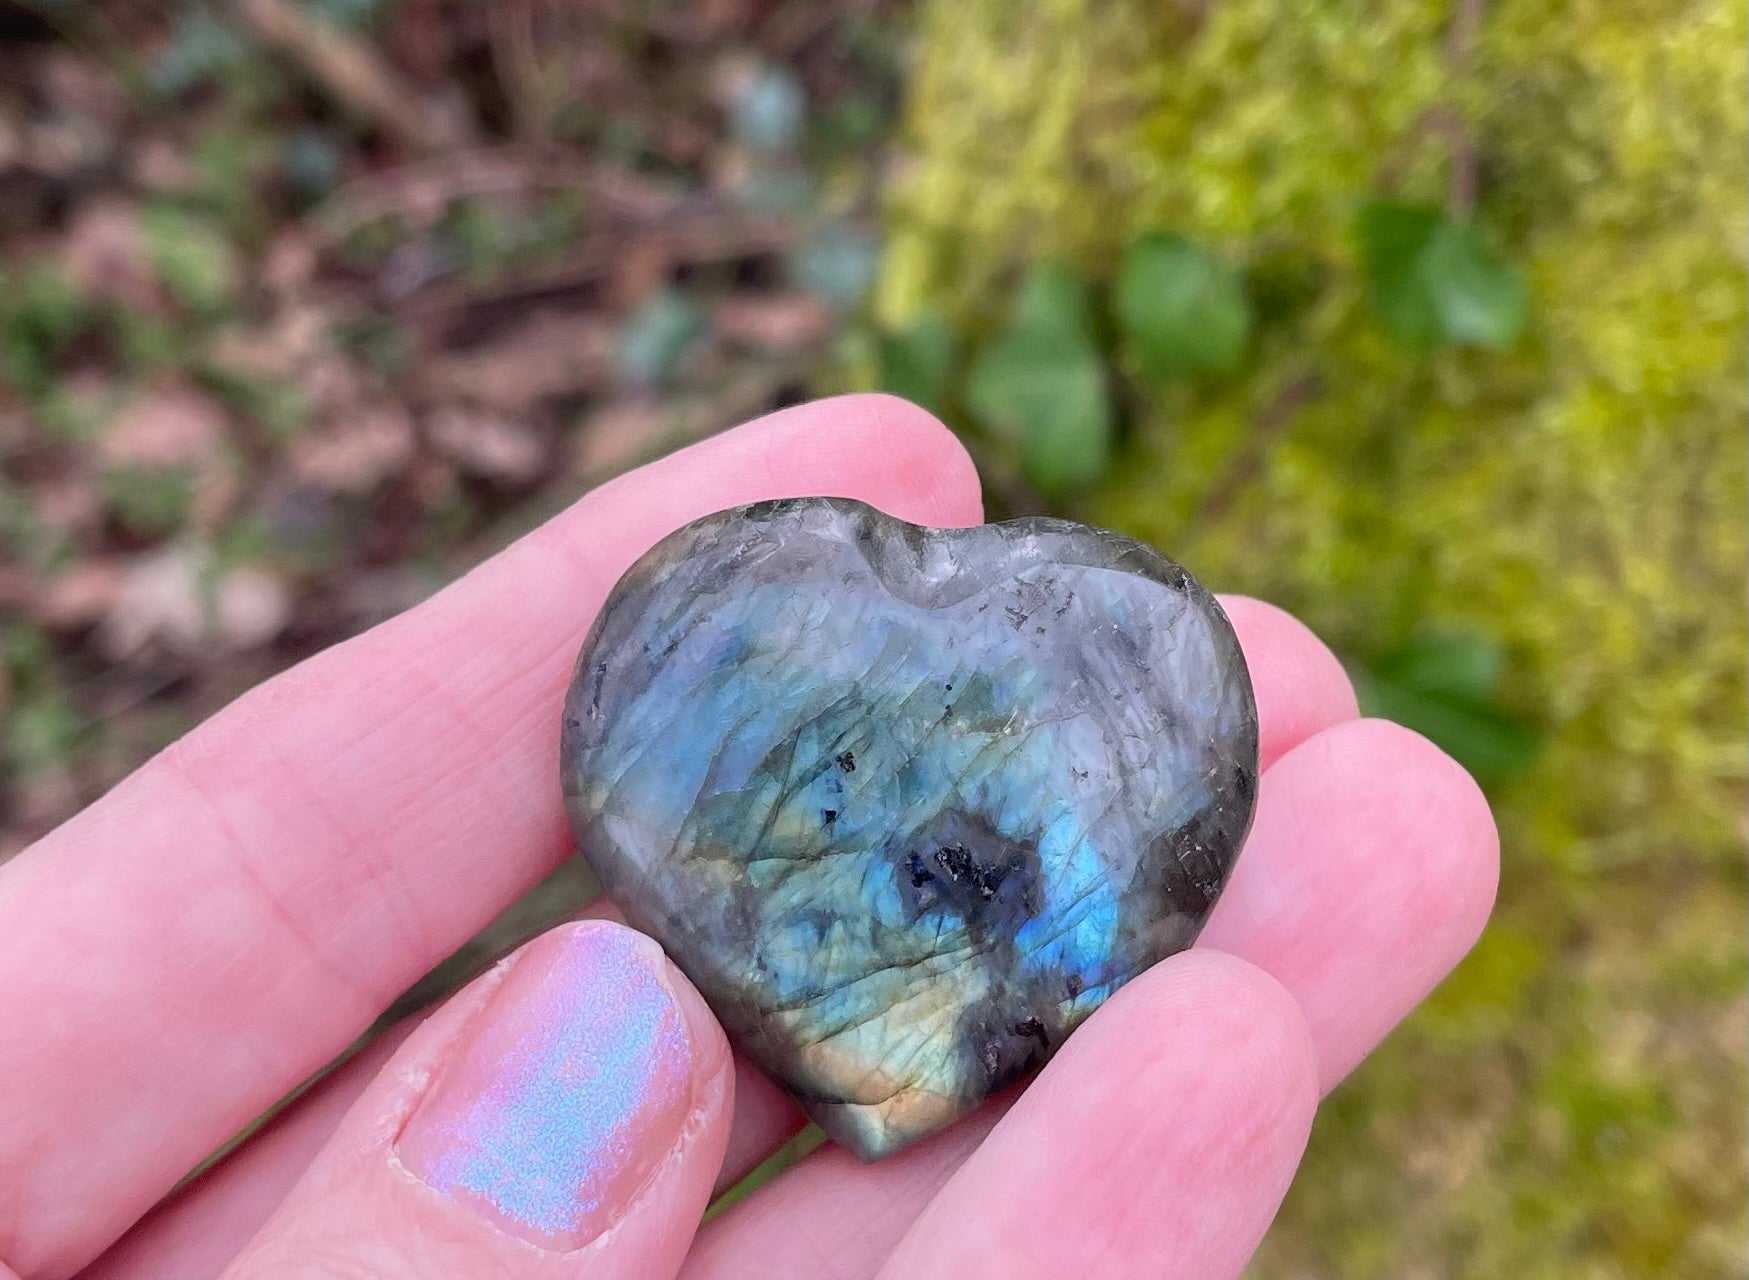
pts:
pixel 181 954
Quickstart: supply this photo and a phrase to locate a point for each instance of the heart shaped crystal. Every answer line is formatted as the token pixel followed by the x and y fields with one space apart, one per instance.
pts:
pixel 908 804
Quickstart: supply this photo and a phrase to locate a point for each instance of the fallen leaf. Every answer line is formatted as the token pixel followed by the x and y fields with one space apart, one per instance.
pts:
pixel 335 385
pixel 77 86
pixel 159 165
pixel 158 603
pixel 782 323
pixel 84 594
pixel 250 607
pixel 105 255
pixel 68 503
pixel 168 599
pixel 486 444
pixel 355 453
pixel 617 436
pixel 169 426
pixel 61 147
pixel 552 353
pixel 284 347
pixel 291 260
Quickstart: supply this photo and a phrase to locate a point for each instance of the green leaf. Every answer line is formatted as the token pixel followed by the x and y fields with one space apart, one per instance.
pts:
pixel 1481 300
pixel 653 338
pixel 1434 281
pixel 769 109
pixel 1041 385
pixel 41 313
pixel 1183 307
pixel 1442 685
pixel 914 361
pixel 200 47
pixel 191 256
pixel 838 262
pixel 1449 664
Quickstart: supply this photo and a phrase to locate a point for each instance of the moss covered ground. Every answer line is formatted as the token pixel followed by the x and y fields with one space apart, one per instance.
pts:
pixel 1571 1103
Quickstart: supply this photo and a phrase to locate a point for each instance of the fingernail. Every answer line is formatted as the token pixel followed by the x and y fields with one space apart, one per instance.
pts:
pixel 566 1091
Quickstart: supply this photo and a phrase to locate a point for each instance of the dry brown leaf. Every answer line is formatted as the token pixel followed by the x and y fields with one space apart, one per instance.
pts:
pixel 282 348
pixel 335 385
pixel 77 86
pixel 167 600
pixel 68 503
pixel 62 147
pixel 493 446
pixel 169 426
pixel 640 271
pixel 159 165
pixel 250 607
pixel 291 260
pixel 552 353
pixel 159 603
pixel 357 452
pixel 782 323
pixel 84 594
pixel 105 255
pixel 618 436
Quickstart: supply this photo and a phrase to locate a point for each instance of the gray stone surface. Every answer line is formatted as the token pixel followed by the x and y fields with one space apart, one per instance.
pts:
pixel 908 804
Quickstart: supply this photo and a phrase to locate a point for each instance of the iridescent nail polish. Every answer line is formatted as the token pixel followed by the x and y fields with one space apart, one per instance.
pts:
pixel 567 1091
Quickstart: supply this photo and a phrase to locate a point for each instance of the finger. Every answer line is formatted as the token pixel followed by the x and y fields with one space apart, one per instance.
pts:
pixel 195 1235
pixel 565 1116
pixel 1300 686
pixel 1370 870
pixel 234 914
pixel 1124 1162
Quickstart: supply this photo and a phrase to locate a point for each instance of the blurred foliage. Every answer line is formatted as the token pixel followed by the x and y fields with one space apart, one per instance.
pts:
pixel 1445 686
pixel 1434 281
pixel 1486 436
pixel 1184 309
pixel 1040 385
pixel 307 305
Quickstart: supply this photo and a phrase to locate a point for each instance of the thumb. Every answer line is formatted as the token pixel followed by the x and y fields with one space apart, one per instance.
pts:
pixel 565 1113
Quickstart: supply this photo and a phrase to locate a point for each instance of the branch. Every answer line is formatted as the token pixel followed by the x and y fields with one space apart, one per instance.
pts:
pixel 353 75
pixel 1248 463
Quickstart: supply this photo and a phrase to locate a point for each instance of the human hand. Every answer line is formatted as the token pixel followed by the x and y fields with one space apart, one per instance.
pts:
pixel 228 919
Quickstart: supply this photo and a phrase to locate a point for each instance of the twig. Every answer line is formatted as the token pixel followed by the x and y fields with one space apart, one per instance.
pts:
pixel 1460 197
pixel 1460 39
pixel 353 75
pixel 1445 121
pixel 510 26
pixel 695 239
pixel 1271 423
pixel 488 171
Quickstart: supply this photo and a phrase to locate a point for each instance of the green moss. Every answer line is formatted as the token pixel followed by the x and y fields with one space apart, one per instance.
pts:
pixel 1571 1104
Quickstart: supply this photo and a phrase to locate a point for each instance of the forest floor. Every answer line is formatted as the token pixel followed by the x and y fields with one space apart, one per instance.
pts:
pixel 308 307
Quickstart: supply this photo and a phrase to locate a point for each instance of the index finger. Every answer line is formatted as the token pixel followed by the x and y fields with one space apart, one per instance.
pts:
pixel 237 911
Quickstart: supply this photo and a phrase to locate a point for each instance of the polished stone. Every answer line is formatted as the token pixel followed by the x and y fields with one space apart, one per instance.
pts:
pixel 908 804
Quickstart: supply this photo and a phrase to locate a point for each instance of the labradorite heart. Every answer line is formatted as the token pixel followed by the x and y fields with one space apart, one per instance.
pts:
pixel 908 804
